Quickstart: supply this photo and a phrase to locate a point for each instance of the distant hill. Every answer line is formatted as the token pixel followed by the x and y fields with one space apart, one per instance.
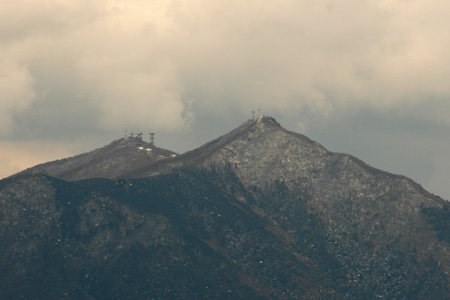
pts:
pixel 259 213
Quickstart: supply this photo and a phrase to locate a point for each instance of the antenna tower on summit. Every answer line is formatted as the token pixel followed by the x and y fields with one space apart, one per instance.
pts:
pixel 253 115
pixel 152 138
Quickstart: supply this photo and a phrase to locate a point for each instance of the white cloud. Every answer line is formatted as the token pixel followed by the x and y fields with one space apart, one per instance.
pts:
pixel 138 56
pixel 16 90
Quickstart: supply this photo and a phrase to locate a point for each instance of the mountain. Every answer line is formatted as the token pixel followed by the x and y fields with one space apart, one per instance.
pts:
pixel 174 236
pixel 120 156
pixel 259 213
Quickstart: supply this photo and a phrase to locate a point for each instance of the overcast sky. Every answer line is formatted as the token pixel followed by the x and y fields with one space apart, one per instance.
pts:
pixel 364 77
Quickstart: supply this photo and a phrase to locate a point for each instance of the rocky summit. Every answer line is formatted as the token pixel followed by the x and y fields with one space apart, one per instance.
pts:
pixel 259 213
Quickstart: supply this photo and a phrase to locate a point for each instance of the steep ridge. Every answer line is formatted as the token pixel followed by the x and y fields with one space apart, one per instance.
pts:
pixel 111 161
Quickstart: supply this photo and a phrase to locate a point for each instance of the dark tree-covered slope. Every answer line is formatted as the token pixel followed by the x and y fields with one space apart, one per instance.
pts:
pixel 177 236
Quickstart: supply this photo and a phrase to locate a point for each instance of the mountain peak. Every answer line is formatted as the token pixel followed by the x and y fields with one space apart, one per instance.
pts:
pixel 111 161
pixel 261 122
pixel 260 150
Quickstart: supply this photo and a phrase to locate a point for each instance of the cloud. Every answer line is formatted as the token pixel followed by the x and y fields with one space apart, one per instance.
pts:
pixel 134 95
pixel 16 90
pixel 154 63
pixel 295 54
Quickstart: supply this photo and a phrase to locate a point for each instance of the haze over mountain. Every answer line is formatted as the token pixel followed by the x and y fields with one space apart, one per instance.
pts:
pixel 259 213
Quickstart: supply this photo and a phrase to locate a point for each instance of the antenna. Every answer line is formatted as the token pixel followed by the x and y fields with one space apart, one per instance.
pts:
pixel 152 138
pixel 253 115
